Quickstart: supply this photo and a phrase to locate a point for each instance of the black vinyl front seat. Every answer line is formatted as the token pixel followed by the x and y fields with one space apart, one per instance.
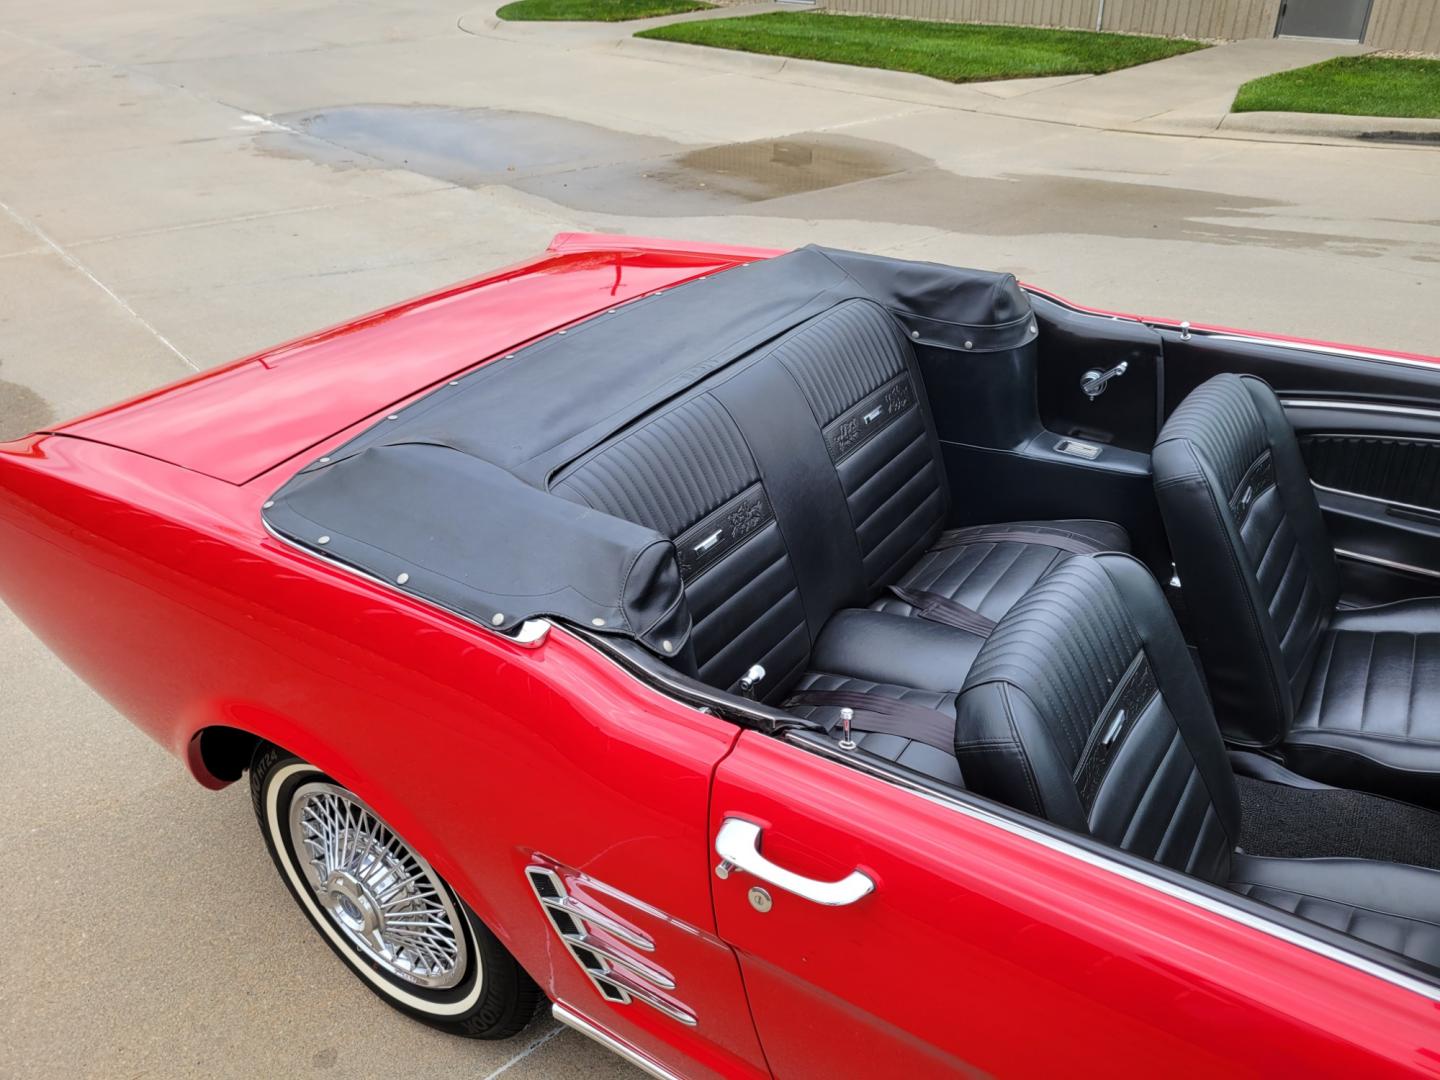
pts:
pixel 1084 708
pixel 1348 697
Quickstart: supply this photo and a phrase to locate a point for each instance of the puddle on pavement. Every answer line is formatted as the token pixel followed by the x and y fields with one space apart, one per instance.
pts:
pixel 1034 204
pixel 460 146
pixel 22 411
pixel 713 178
pixel 580 165
pixel 809 176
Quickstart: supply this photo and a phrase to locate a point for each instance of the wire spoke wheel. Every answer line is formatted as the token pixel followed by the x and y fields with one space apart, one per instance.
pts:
pixel 382 896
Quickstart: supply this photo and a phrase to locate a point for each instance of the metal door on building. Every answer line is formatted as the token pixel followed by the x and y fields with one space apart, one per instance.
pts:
pixel 1342 19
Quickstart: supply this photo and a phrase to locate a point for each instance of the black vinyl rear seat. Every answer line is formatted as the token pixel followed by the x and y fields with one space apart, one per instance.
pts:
pixel 799 485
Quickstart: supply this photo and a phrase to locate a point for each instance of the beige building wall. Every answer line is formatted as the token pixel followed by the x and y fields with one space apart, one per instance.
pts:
pixel 1411 25
pixel 1394 24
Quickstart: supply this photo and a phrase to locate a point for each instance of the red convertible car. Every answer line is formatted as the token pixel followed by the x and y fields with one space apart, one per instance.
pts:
pixel 799 665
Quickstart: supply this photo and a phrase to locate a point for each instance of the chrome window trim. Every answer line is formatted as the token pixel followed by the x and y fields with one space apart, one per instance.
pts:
pixel 1176 891
pixel 1389 564
pixel 1375 499
pixel 616 1045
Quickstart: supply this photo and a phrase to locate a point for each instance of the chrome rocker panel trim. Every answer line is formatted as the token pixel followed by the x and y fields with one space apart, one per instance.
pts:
pixel 616 1045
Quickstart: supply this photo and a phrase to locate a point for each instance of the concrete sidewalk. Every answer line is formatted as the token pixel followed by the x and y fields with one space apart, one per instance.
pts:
pixel 1189 94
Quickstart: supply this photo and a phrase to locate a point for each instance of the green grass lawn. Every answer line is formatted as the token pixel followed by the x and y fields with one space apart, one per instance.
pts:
pixel 956 52
pixel 1351 85
pixel 595 10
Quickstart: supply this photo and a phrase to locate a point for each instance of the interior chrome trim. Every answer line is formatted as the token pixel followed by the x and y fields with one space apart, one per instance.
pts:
pixel 1376 499
pixel 1363 406
pixel 1389 564
pixel 1194 897
pixel 616 1045
pixel 531 632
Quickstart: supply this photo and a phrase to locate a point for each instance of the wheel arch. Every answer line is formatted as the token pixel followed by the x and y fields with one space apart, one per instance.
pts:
pixel 218 755
pixel 220 750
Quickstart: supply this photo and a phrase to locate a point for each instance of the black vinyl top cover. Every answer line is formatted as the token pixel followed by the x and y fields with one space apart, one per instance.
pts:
pixel 449 498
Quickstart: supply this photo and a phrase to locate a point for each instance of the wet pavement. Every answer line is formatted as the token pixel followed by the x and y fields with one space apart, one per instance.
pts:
pixel 184 183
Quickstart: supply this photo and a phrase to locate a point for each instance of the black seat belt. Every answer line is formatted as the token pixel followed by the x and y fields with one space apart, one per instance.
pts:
pixel 941 609
pixel 999 534
pixel 885 716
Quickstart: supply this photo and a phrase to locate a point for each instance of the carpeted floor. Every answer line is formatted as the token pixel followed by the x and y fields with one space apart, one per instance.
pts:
pixel 1299 823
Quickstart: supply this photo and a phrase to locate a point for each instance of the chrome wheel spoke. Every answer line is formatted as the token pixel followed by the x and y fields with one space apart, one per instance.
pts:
pixel 382 896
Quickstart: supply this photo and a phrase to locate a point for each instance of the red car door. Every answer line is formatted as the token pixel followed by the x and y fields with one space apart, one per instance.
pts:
pixel 886 933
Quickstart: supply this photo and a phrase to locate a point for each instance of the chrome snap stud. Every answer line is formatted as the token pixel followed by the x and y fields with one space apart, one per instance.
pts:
pixel 760 899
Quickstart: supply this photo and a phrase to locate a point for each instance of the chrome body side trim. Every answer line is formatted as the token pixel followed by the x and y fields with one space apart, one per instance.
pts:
pixel 1179 892
pixel 1389 564
pixel 583 912
pixel 618 978
pixel 616 1045
pixel 630 965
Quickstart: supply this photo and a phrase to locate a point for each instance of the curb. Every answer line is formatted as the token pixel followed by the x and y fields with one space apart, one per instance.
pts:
pixel 1329 125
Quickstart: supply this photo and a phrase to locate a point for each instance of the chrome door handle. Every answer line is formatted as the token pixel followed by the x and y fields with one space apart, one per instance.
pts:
pixel 738 845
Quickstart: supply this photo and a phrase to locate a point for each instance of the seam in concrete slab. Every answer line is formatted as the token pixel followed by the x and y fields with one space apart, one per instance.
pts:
pixel 523 1054
pixel 75 264
pixel 260 215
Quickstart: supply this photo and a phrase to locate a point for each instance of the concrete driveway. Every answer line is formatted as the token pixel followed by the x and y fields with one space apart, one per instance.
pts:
pixel 183 182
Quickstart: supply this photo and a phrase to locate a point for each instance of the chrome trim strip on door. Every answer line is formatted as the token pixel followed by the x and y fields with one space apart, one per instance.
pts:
pixel 1389 564
pixel 1363 406
pixel 616 1045
pixel 1139 877
pixel 1375 499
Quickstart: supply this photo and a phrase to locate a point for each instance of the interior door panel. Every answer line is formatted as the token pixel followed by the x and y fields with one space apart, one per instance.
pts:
pixel 1073 343
pixel 1377 475
pixel 1370 432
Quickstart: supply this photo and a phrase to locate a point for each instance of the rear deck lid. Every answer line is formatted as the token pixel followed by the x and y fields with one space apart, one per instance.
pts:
pixel 239 421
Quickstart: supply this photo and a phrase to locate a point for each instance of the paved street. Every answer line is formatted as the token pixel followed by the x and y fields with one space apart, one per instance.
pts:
pixel 185 182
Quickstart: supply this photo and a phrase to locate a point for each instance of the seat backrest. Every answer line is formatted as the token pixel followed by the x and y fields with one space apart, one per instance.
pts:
pixel 858 375
pixel 1251 549
pixel 1084 708
pixel 795 483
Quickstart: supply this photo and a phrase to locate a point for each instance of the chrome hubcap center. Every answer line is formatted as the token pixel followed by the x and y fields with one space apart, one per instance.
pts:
pixel 351 904
pixel 382 896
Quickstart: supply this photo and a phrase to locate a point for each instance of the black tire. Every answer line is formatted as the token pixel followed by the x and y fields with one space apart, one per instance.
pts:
pixel 494 999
